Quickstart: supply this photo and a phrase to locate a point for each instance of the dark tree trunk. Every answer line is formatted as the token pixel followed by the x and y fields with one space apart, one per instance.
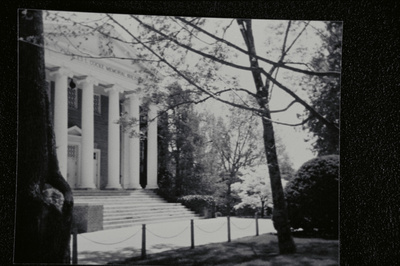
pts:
pixel 44 199
pixel 262 209
pixel 279 216
pixel 229 196
pixel 178 174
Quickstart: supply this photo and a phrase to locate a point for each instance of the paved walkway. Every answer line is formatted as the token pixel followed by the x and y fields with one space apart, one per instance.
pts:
pixel 111 245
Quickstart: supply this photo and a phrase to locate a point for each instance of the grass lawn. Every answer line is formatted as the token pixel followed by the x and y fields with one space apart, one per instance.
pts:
pixel 261 250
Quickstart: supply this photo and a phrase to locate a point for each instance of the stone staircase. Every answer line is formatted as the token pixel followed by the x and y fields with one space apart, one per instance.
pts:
pixel 136 207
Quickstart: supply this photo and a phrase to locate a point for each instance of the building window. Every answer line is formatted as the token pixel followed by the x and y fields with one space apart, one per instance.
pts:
pixel 72 151
pixel 97 103
pixel 72 95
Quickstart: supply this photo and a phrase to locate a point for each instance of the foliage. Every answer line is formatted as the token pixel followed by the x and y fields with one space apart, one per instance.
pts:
pixel 312 195
pixel 183 160
pixel 234 139
pixel 285 163
pixel 254 189
pixel 166 185
pixel 197 202
pixel 325 94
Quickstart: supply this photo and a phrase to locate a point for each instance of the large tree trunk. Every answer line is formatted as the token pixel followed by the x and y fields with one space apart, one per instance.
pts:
pixel 279 216
pixel 44 199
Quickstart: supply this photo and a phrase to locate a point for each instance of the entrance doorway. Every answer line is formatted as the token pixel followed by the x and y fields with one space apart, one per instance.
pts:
pixel 72 166
pixel 96 168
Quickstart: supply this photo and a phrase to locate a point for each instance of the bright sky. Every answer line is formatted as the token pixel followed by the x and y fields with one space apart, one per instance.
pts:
pixel 265 38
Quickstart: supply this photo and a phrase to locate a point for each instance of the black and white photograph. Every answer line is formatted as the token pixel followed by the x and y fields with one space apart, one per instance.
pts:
pixel 177 140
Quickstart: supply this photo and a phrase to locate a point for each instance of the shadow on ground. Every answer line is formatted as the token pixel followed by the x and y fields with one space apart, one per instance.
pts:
pixel 262 250
pixel 94 257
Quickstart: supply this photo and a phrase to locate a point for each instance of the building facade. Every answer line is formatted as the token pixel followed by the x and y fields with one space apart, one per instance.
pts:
pixel 89 90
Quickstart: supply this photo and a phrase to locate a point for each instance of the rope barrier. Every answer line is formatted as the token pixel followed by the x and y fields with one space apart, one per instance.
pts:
pixel 168 237
pixel 96 242
pixel 242 228
pixel 210 232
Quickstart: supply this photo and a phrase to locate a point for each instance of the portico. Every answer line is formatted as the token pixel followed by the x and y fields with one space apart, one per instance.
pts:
pixel 87 97
pixel 76 144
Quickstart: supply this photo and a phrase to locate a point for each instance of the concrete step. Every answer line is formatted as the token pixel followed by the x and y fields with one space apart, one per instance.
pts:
pixel 123 208
pixel 112 192
pixel 148 218
pixel 140 209
pixel 145 221
pixel 121 193
pixel 132 215
pixel 121 201
pixel 116 196
pixel 145 206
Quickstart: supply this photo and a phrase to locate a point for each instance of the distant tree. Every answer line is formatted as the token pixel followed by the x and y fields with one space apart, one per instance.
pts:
pixel 182 144
pixel 254 189
pixel 325 93
pixel 313 195
pixel 44 199
pixel 285 163
pixel 235 139
pixel 185 141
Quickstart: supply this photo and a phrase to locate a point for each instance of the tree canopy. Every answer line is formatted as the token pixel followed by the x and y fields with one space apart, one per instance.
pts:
pixel 325 92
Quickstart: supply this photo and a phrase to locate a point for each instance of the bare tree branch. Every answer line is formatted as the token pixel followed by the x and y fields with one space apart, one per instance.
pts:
pixel 284 52
pixel 190 48
pixel 297 37
pixel 227 27
pixel 330 124
pixel 277 64
pixel 191 33
pixel 308 107
pixel 282 110
pixel 213 95
pixel 88 56
pixel 292 125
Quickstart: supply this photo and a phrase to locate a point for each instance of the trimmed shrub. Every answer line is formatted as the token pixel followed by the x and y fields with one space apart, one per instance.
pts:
pixel 198 203
pixel 312 196
pixel 246 211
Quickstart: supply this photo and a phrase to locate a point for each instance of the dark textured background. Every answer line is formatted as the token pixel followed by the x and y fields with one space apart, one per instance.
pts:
pixel 369 188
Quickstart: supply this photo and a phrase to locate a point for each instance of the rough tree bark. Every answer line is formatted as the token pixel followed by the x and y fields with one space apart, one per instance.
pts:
pixel 279 216
pixel 44 199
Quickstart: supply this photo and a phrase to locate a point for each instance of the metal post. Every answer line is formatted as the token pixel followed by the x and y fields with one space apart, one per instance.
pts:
pixel 192 233
pixel 74 245
pixel 257 233
pixel 143 241
pixel 229 229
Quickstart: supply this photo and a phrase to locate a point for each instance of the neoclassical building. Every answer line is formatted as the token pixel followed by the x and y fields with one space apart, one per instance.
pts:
pixel 89 89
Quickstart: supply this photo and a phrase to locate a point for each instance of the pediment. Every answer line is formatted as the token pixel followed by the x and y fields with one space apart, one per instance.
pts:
pixel 74 131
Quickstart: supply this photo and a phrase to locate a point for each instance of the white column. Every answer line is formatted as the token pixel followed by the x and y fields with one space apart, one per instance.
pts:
pixel 113 139
pixel 134 144
pixel 152 153
pixel 61 117
pixel 124 152
pixel 125 159
pixel 87 133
